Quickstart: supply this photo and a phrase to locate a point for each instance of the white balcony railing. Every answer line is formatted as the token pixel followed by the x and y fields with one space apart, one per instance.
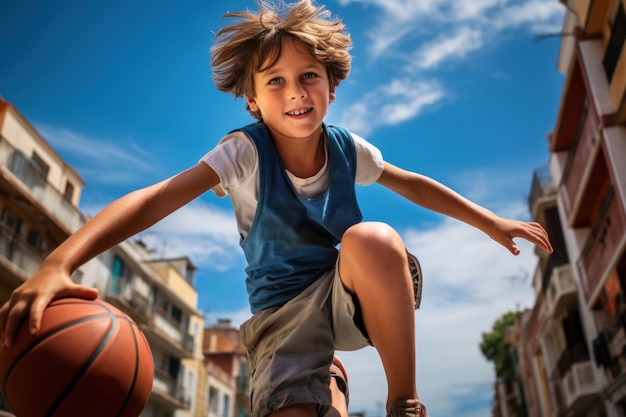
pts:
pixel 561 286
pixel 578 382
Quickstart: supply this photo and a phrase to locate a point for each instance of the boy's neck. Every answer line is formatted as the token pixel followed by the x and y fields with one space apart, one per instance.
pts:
pixel 302 159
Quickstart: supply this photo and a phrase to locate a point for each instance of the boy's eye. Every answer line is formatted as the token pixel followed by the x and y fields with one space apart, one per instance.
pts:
pixel 274 81
pixel 309 75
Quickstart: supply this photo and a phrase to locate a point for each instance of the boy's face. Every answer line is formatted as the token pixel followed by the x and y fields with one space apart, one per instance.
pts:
pixel 293 95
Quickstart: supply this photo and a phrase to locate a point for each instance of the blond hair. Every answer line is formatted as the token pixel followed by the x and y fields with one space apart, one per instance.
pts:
pixel 254 43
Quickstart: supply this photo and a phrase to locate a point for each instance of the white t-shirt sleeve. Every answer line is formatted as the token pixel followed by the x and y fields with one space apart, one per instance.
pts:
pixel 370 162
pixel 234 160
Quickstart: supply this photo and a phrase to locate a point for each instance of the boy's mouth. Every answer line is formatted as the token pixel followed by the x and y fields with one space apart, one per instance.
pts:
pixel 299 112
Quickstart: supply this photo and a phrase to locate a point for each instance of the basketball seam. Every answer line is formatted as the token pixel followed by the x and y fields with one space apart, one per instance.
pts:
pixel 82 371
pixel 40 339
pixel 85 366
pixel 137 359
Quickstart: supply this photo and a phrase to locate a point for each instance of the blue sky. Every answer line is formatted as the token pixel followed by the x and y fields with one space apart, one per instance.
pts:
pixel 457 90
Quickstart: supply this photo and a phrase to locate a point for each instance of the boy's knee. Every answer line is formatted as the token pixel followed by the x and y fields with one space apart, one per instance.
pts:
pixel 378 237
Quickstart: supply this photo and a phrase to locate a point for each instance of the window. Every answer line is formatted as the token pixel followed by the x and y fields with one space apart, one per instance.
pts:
pixel 616 42
pixel 118 267
pixel 11 220
pixel 191 388
pixel 34 238
pixel 69 191
pixel 40 165
pixel 117 271
pixel 213 399
pixel 225 411
pixel 174 367
pixel 176 313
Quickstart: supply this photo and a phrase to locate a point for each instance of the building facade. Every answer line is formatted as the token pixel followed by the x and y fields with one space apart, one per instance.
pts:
pixel 39 197
pixel 224 352
pixel 571 360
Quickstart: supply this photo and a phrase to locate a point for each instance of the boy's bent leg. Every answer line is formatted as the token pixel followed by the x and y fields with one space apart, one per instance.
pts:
pixel 373 265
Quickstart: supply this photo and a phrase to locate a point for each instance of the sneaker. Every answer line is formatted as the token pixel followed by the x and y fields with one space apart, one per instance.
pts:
pixel 407 408
pixel 416 274
pixel 341 377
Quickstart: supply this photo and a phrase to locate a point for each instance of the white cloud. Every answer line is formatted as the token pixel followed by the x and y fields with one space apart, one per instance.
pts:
pixel 204 233
pixel 536 14
pixel 390 104
pixel 400 10
pixel 429 33
pixel 475 9
pixel 457 45
pixel 101 161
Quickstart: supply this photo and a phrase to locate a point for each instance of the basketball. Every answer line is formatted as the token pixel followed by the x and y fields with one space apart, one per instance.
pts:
pixel 87 359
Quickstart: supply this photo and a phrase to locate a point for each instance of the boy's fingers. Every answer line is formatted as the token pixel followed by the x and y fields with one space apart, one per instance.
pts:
pixel 79 291
pixel 36 312
pixel 13 313
pixel 13 316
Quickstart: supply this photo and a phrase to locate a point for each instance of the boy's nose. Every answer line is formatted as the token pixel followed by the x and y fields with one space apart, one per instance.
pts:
pixel 297 92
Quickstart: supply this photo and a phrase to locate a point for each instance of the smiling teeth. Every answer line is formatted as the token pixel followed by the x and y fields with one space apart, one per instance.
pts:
pixel 299 112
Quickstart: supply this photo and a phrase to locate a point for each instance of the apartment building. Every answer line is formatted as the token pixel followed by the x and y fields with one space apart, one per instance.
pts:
pixel 39 196
pixel 571 360
pixel 223 350
pixel 159 295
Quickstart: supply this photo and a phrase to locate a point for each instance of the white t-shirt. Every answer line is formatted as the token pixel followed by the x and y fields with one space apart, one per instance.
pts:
pixel 235 161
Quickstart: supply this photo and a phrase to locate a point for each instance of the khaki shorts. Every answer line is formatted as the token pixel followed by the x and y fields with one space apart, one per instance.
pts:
pixel 290 348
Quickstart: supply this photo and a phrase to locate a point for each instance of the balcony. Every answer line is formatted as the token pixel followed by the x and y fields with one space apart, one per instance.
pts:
pixel 580 159
pixel 607 235
pixel 168 392
pixel 542 192
pixel 561 291
pixel 128 299
pixel 19 253
pixel 579 385
pixel 20 167
pixel 170 335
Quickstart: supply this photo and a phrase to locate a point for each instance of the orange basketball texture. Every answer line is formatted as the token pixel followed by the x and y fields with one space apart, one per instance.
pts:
pixel 88 359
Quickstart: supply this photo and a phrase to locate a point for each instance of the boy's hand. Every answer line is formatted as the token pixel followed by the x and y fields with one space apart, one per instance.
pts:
pixel 32 298
pixel 505 230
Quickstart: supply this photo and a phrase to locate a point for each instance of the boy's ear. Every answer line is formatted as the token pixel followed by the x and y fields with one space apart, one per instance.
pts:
pixel 252 103
pixel 331 94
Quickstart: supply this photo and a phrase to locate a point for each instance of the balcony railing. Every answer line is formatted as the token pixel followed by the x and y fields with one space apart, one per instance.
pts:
pixel 578 382
pixel 555 260
pixel 605 238
pixel 170 389
pixel 541 186
pixel 562 287
pixel 580 156
pixel 125 294
pixel 165 325
pixel 24 170
pixel 19 253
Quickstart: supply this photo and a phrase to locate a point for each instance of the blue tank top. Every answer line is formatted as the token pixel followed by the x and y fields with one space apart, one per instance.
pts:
pixel 293 240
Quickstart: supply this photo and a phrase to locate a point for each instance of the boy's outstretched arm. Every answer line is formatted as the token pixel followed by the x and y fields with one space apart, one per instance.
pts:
pixel 433 195
pixel 117 222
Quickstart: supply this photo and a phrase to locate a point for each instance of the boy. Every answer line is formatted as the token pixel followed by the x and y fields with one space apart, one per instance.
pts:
pixel 291 180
